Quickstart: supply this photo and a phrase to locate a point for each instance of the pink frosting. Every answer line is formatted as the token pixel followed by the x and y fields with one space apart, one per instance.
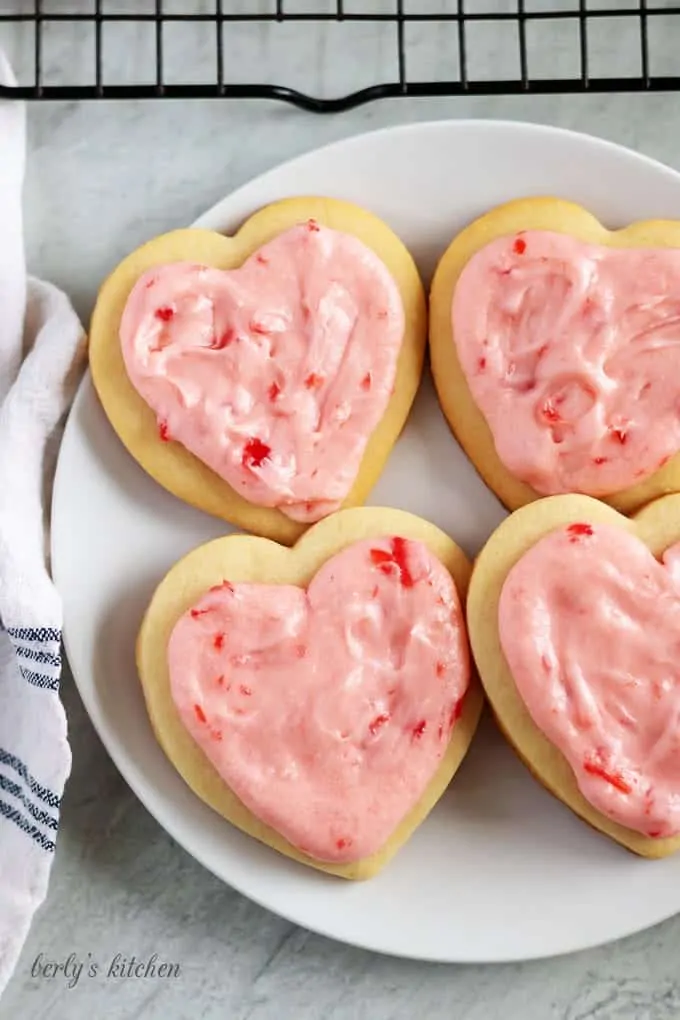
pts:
pixel 273 374
pixel 572 353
pixel 589 624
pixel 327 711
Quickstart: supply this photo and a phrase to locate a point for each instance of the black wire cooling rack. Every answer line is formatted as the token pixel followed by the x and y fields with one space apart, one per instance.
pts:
pixel 454 22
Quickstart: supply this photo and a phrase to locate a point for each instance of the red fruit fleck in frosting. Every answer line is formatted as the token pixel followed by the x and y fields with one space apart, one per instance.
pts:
pixel 200 714
pixel 218 343
pixel 218 642
pixel 262 259
pixel 245 690
pixel 619 433
pixel 594 768
pixel 216 735
pixel 195 613
pixel 255 452
pixel 314 381
pixel 313 227
pixel 163 432
pixel 220 680
pixel 419 729
pixel 441 669
pixel 654 834
pixel 274 391
pixel 343 843
pixel 225 585
pixel 520 246
pixel 600 460
pixel 366 382
pixel 481 364
pixel 399 553
pixel 255 326
pixel 380 557
pixel 578 530
pixel 164 314
pixel 550 412
pixel 384 561
pixel 456 711
pixel 378 723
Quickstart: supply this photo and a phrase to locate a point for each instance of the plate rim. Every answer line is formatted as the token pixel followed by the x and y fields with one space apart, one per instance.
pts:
pixel 207 219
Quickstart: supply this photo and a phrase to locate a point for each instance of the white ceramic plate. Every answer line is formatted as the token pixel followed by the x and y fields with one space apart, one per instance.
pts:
pixel 500 870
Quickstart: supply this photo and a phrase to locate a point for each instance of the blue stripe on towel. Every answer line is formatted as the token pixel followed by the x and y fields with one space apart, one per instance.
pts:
pixel 38 655
pixel 6 811
pixel 34 633
pixel 39 647
pixel 40 816
pixel 34 786
pixel 39 679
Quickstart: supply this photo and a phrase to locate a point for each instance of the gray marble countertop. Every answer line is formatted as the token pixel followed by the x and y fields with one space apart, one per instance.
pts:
pixel 101 179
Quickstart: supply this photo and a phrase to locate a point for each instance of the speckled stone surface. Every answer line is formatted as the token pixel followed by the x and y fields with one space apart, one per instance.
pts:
pixel 101 179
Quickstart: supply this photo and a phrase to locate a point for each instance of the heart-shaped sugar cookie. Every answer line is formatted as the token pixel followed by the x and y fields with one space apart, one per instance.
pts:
pixel 319 698
pixel 555 348
pixel 574 622
pixel 264 377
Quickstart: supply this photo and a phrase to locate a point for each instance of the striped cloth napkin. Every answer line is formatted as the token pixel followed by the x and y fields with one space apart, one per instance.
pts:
pixel 41 358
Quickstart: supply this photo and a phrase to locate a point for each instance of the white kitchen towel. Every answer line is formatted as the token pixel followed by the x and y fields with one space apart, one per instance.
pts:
pixel 42 353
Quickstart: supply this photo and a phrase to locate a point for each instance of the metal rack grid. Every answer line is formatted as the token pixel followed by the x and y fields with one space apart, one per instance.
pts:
pixel 457 18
